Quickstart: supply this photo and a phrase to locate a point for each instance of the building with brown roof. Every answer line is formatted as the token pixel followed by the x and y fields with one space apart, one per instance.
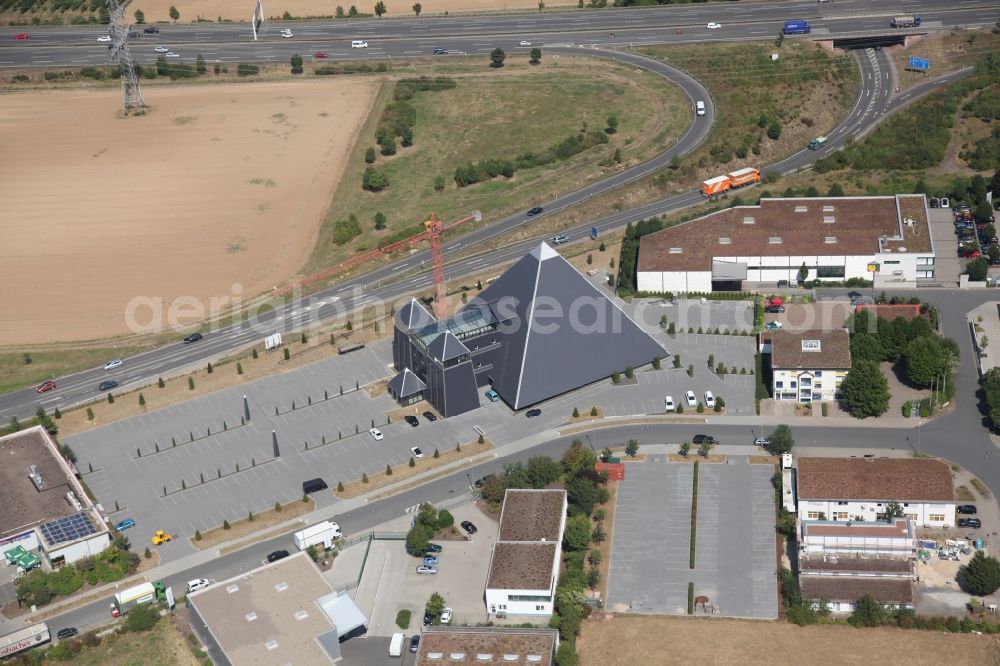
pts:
pixel 859 489
pixel 484 646
pixel 836 238
pixel 839 593
pixel 807 365
pixel 524 567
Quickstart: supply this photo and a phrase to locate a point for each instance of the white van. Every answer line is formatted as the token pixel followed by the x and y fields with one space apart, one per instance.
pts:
pixel 396 645
pixel 699 108
pixel 359 44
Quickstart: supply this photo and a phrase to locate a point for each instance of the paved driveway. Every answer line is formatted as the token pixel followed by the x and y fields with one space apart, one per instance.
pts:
pixel 735 546
pixel 947 264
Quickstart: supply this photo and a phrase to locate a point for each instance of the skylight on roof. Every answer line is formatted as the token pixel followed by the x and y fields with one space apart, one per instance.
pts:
pixel 232 588
pixel 251 616
pixel 725 240
pixel 828 209
pixel 271 644
pixel 774 240
pixel 281 587
pixel 301 615
pixel 830 240
pixel 748 219
pixel 812 345
pixel 801 208
pixel 676 250
pixel 829 219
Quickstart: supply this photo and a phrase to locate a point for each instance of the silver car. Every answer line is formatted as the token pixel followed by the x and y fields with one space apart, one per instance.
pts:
pixel 427 569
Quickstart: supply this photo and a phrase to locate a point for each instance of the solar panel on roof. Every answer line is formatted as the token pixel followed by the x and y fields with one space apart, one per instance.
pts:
pixel 68 528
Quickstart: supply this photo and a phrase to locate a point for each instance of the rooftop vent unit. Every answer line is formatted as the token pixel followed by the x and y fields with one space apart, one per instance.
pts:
pixel 676 250
pixel 251 616
pixel 801 209
pixel 812 345
pixel 830 240
pixel 723 240
pixel 828 209
pixel 35 477
pixel 73 502
pixel 829 219
pixel 774 240
pixel 271 644
pixel 748 219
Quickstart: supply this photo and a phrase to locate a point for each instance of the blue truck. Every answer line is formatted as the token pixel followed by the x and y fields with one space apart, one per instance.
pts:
pixel 906 21
pixel 796 27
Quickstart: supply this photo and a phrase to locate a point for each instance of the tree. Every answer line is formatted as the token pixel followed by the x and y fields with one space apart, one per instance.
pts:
pixel 373 180
pixel 982 212
pixel 417 539
pixel 388 145
pixel 865 390
pixel 536 56
pixel 199 64
pixel 352 12
pixel 140 17
pixel 494 487
pixel 142 618
pixel 576 536
pixel 685 448
pixel 296 64
pixel 867 612
pixel 892 511
pixel 632 448
pixel 174 14
pixel 977 269
pixel 866 347
pixel 577 456
pixel 774 130
pixel 379 221
pixel 703 449
pixel 416 8
pixel 497 57
pixel 612 124
pixel 981 576
pixel 542 471
pixel 780 441
pixel 369 155
pixel 581 493
pixel 434 608
pixel 835 191
pixel 924 360
pixel 803 273
pixel 380 8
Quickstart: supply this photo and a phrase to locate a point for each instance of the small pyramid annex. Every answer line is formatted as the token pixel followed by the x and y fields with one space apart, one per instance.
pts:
pixel 538 331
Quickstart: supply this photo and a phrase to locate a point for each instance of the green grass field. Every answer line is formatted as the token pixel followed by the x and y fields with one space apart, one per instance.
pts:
pixel 502 114
pixel 16 374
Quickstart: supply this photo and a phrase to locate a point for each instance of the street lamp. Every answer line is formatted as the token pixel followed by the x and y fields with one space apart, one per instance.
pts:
pixel 471 486
pixel 587 435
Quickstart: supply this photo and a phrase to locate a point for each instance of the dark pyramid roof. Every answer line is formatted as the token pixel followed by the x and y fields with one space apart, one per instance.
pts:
pixel 561 332
pixel 413 315
pixel 405 384
pixel 446 347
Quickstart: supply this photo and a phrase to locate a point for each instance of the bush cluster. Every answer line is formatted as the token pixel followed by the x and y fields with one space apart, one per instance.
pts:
pixel 41 587
pixel 491 167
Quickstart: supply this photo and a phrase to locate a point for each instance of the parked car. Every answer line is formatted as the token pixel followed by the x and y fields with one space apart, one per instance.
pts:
pixel 430 561
pixel 446 616
pixel 945 203
pixel 151 30
pixel 761 441
pixel 492 395
pixel 428 618
pixel 703 439
pixel 532 413
pixel 194 337
pixel 772 325
pixel 197 584
pixel 774 309
pixel 426 569
pixel 974 523
pixel 430 416
pixel 417 453
pixel 668 403
pixel 535 211
pixel 433 548
pixel 968 509
pixel 709 399
pixel 376 433
pixel 123 525
pixel 114 363
pixel 277 555
pixel 412 420
pixel 935 202
pixel 415 643
pixel 45 386
pixel 691 400
pixel 68 632
pixel 107 385
pixel 469 527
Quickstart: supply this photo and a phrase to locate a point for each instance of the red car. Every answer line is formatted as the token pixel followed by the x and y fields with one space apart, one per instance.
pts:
pixel 47 386
pixel 21 35
pixel 320 55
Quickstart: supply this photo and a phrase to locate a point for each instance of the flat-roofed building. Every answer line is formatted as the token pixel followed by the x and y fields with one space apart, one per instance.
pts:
pixel 486 646
pixel 524 567
pixel 879 538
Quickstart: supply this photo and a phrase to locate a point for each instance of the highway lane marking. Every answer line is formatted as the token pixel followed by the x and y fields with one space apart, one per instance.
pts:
pixel 399 268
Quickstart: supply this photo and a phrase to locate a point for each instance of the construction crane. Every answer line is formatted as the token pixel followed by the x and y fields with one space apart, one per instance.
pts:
pixel 433 230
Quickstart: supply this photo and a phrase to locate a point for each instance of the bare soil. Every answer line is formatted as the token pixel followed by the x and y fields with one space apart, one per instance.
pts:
pixel 226 188
pixel 620 639
pixel 244 527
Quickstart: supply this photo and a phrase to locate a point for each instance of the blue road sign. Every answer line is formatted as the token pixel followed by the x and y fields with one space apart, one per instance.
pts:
pixel 922 64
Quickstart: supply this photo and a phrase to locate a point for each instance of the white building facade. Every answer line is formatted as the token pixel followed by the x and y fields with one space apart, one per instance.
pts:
pixel 925 514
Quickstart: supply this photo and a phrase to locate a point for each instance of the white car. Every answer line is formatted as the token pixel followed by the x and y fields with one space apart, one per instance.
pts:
pixel 104 38
pixel 197 584
pixel 161 49
pixel 669 404
pixel 709 399
pixel 171 54
pixel 376 433
pixel 359 44
pixel 525 42
pixel 446 616
pixel 713 25
pixel 286 34
pixel 114 363
pixel 427 569
pixel 691 400
pixel 417 453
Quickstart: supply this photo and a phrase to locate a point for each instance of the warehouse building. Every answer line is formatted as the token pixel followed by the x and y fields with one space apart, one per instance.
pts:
pixel 836 238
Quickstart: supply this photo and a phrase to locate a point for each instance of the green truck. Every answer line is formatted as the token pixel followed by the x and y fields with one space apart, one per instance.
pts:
pixel 817 143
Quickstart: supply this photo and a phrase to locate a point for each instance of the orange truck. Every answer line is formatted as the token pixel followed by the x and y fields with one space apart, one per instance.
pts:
pixel 739 178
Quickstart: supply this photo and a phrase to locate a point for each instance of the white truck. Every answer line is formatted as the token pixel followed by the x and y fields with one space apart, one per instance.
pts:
pixel 321 533
pixel 147 593
pixel 396 645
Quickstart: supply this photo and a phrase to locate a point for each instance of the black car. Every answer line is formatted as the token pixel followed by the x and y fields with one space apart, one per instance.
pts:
pixel 194 337
pixel 134 35
pixel 532 413
pixel 430 416
pixel 969 509
pixel 415 643
pixel 277 555
pixel 433 548
pixel 935 202
pixel 974 523
pixel 471 529
pixel 107 385
pixel 535 211
pixel 68 632
pixel 151 30
pixel 428 618
pixel 437 52
pixel 703 439
pixel 773 309
pixel 412 420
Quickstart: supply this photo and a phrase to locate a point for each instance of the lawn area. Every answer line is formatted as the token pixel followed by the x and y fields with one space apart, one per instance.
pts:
pixel 162 645
pixel 501 114
pixel 48 363
pixel 765 109
pixel 631 639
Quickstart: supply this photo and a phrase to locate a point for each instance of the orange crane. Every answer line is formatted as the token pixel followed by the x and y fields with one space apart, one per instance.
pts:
pixel 434 228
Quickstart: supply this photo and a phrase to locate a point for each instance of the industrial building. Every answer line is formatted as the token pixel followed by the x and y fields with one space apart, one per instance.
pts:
pixel 47 514
pixel 539 330
pixel 835 238
pixel 482 646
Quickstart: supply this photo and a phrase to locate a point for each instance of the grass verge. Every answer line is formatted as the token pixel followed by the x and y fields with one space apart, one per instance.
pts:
pixel 980 488
pixel 694 514
pixel 963 494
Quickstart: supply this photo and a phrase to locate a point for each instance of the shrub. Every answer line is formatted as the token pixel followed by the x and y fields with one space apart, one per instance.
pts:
pixel 142 618
pixel 226 525
pixel 403 619
pixel 374 181
pixel 346 230
pixel 247 69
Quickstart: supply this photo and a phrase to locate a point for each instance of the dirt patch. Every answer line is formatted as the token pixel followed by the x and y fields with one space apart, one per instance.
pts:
pixel 615 639
pixel 594 412
pixel 379 388
pixel 245 527
pixel 963 494
pixel 690 458
pixel 404 472
pixel 218 209
pixel 763 460
pixel 147 563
